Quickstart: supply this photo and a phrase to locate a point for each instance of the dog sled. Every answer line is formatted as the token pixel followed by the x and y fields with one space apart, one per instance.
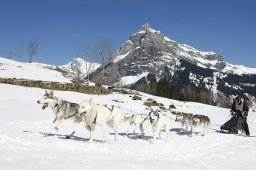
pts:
pixel 235 124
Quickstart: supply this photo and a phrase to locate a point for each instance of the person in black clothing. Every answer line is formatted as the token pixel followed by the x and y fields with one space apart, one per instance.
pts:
pixel 239 107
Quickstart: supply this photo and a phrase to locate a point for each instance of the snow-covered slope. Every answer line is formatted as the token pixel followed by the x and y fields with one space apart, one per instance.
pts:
pixel 23 146
pixel 80 66
pixel 30 71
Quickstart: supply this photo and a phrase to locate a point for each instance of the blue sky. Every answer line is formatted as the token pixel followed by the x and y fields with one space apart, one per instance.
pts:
pixel 227 27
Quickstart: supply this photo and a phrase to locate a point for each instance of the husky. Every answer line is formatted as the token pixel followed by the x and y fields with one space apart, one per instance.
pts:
pixel 101 115
pixel 137 120
pixel 159 121
pixel 185 119
pixel 62 110
pixel 179 118
pixel 201 120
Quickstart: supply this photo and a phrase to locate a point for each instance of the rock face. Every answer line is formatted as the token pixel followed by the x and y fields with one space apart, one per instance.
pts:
pixel 148 56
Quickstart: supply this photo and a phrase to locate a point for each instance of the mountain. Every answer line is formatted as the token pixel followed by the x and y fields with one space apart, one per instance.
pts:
pixel 149 56
pixel 80 66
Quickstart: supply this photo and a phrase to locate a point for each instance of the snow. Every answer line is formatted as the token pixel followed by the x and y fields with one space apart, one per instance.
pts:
pixel 22 145
pixel 120 57
pixel 188 48
pixel 31 71
pixel 239 69
pixel 127 80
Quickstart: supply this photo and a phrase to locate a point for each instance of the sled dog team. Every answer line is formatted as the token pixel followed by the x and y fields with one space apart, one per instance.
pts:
pixel 93 115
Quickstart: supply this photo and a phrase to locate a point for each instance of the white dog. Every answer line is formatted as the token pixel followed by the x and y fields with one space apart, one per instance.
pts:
pixel 159 121
pixel 102 115
pixel 137 120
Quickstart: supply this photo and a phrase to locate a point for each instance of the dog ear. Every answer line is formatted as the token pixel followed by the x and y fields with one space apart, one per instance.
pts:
pixel 90 100
pixel 50 92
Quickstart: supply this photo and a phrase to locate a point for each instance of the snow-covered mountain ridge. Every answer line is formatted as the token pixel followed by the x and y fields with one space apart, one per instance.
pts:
pixel 171 49
pixel 80 66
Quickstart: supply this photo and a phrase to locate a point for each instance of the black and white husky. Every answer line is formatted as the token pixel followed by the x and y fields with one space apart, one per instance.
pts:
pixel 62 110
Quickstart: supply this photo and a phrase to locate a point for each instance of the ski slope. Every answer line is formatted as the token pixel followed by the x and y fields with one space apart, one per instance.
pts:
pixel 22 145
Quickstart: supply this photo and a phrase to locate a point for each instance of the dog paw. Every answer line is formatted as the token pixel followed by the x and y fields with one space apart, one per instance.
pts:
pixel 152 141
pixel 68 137
pixel 56 129
pixel 90 140
pixel 45 134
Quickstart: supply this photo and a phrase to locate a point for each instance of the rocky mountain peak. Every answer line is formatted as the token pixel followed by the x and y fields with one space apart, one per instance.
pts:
pixel 145 26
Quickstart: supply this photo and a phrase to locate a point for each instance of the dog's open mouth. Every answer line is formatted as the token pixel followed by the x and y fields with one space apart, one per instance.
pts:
pixel 151 120
pixel 82 114
pixel 44 106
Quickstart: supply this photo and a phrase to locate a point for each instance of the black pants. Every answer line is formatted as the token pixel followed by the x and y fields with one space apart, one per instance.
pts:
pixel 245 126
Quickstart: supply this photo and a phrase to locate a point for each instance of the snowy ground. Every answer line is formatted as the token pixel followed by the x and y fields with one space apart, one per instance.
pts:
pixel 22 145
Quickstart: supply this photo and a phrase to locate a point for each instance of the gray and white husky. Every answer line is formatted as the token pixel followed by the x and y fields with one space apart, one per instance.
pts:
pixel 186 119
pixel 62 110
pixel 203 121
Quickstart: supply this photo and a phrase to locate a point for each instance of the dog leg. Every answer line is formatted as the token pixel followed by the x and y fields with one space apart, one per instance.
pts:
pixel 167 133
pixel 157 131
pixel 186 127
pixel 73 132
pixel 159 134
pixel 116 133
pixel 90 128
pixel 193 130
pixel 128 130
pixel 56 122
pixel 182 125
pixel 104 132
pixel 91 138
pixel 142 132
